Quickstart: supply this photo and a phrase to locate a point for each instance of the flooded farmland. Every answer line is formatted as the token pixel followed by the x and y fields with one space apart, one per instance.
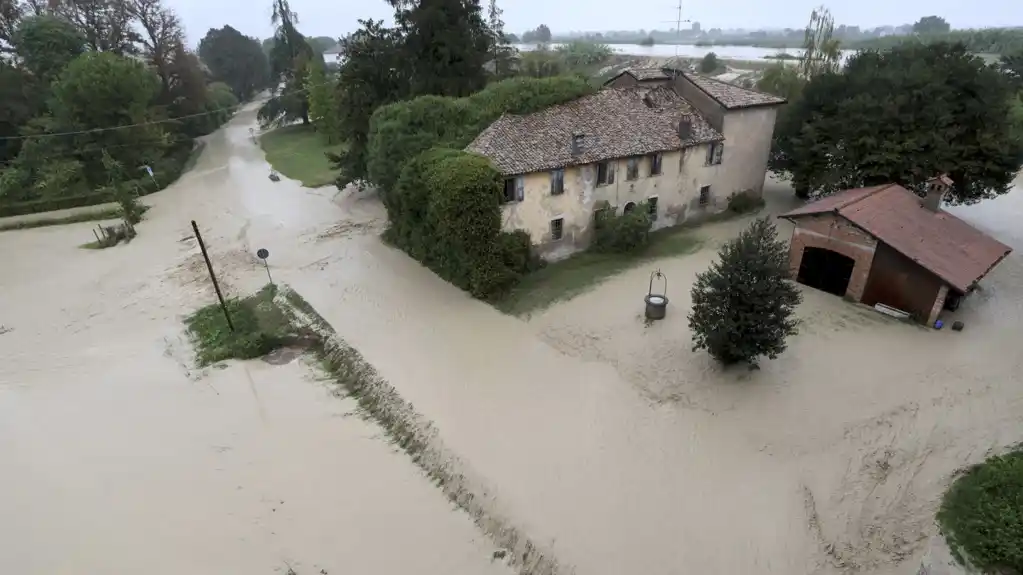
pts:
pixel 610 444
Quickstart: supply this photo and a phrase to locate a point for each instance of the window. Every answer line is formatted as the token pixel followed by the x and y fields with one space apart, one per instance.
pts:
pixel 714 154
pixel 651 204
pixel 704 195
pixel 605 173
pixel 632 169
pixel 599 216
pixel 557 228
pixel 629 207
pixel 513 190
pixel 557 182
pixel 655 164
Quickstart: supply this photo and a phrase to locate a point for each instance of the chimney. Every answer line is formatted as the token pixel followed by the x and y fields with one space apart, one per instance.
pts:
pixel 685 127
pixel 936 190
pixel 577 144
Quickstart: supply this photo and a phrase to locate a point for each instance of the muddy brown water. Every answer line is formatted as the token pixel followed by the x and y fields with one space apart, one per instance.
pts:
pixel 608 442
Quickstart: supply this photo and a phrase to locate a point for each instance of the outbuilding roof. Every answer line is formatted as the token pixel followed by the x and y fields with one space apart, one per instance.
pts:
pixel 941 243
pixel 641 74
pixel 612 123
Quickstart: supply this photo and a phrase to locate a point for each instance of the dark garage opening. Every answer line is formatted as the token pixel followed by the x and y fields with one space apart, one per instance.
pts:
pixel 825 270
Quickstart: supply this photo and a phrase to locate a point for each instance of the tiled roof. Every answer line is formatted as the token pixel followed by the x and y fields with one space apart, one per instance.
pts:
pixel 641 74
pixel 731 96
pixel 939 242
pixel 613 123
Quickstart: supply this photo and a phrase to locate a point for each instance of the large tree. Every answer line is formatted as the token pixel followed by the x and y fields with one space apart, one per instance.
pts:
pixel 744 305
pixel 373 74
pixel 162 37
pixel 447 42
pixel 290 57
pixel 20 101
pixel 902 116
pixel 46 44
pixel 236 60
pixel 107 24
pixel 931 25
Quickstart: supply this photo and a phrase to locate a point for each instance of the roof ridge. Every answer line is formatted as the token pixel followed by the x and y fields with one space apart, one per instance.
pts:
pixel 877 190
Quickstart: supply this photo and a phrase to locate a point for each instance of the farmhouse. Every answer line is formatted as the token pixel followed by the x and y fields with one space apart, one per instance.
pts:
pixel 884 244
pixel 744 117
pixel 615 149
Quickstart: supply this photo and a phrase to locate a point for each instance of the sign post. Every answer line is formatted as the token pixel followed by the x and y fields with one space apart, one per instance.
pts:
pixel 263 253
pixel 213 276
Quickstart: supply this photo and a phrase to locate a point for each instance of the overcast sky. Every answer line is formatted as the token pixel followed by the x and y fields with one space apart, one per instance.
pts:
pixel 338 17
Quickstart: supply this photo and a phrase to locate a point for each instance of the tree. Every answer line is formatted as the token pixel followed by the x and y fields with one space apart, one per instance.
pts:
pixel 709 63
pixel 931 25
pixel 161 39
pixel 743 306
pixel 289 58
pixel 371 75
pixel 1012 66
pixel 821 53
pixel 781 80
pixel 236 60
pixel 902 116
pixel 542 35
pixel 502 54
pixel 323 108
pixel 446 43
pixel 20 101
pixel 100 89
pixel 106 24
pixel 46 45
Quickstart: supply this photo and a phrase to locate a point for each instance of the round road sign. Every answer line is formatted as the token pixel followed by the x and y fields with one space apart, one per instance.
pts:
pixel 262 253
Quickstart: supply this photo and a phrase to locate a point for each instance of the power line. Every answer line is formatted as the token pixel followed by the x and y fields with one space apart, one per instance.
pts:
pixel 126 126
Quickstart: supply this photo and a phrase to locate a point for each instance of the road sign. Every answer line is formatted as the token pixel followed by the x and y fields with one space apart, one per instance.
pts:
pixel 262 253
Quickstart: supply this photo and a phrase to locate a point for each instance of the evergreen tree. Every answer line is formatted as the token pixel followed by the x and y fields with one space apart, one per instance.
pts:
pixel 447 42
pixel 743 305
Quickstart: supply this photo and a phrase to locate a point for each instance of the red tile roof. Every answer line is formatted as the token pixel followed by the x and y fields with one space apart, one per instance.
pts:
pixel 730 96
pixel 939 242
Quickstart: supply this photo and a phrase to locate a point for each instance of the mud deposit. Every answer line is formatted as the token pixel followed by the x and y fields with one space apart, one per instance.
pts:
pixel 608 443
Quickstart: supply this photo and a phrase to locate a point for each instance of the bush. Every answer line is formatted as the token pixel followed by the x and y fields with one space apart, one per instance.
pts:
pixel 627 233
pixel 981 515
pixel 743 305
pixel 709 63
pixel 744 202
pixel 49 205
pixel 401 131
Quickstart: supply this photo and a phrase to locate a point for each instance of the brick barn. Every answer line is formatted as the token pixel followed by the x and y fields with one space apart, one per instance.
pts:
pixel 884 244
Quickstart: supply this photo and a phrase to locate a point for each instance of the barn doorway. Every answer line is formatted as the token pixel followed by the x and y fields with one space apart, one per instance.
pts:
pixel 825 270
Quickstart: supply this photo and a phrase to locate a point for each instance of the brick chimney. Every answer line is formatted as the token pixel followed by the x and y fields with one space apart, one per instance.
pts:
pixel 936 190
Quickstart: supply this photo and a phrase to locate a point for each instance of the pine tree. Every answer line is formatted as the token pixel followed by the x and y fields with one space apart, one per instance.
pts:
pixel 743 305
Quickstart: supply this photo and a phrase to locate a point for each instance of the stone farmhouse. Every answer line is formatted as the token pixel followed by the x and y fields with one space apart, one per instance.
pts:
pixel 642 140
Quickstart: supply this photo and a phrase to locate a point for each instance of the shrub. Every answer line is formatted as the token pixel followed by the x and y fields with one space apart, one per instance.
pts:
pixel 627 233
pixel 744 202
pixel 743 305
pixel 981 515
pixel 49 205
pixel 401 131
pixel 709 63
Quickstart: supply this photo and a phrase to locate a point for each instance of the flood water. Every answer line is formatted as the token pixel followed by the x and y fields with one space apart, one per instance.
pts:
pixel 608 442
pixel 693 51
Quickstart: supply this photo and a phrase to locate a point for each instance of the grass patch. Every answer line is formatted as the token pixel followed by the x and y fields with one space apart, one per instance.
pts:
pixel 565 279
pixel 90 216
pixel 260 326
pixel 297 152
pixel 981 515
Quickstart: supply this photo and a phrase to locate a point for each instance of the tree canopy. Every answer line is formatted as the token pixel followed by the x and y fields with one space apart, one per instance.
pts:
pixel 88 85
pixel 236 60
pixel 542 35
pixel 904 116
pixel 931 25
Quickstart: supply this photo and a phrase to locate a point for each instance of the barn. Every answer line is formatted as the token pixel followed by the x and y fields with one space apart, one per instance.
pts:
pixel 885 244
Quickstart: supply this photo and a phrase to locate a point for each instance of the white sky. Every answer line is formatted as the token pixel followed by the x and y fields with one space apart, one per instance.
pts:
pixel 337 17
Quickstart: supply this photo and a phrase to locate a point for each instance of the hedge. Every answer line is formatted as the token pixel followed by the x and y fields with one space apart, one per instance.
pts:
pixel 51 204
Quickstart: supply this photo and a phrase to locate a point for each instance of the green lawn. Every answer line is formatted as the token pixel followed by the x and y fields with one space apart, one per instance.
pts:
pixel 297 153
pixel 260 326
pixel 565 279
